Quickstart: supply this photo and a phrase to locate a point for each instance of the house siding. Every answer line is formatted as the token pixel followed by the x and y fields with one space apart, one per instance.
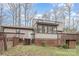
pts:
pixel 43 36
pixel 10 30
pixel 27 33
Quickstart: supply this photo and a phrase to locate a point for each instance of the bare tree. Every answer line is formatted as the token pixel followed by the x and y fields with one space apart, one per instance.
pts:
pixel 13 10
pixel 77 21
pixel 1 13
pixel 68 9
pixel 46 16
pixel 16 12
pixel 55 14
pixel 26 6
pixel 29 13
pixel 52 14
pixel 19 15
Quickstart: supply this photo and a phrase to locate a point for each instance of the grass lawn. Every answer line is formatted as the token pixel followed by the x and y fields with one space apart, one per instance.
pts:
pixel 32 50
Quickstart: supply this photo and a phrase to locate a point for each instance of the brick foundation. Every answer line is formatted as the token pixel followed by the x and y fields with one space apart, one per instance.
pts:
pixel 1 45
pixel 49 42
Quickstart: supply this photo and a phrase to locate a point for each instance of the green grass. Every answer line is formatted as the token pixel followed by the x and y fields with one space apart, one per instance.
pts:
pixel 32 50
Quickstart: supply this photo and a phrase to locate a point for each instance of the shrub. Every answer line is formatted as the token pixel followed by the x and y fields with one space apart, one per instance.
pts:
pixel 77 43
pixel 65 46
pixel 43 44
pixel 59 46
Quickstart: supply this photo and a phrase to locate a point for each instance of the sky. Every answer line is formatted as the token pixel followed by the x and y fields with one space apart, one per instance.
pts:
pixel 45 7
pixel 42 8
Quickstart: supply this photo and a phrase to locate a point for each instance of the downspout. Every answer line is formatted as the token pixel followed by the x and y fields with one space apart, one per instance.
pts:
pixel 57 36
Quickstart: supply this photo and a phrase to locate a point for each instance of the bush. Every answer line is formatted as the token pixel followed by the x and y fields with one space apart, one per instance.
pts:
pixel 77 43
pixel 65 46
pixel 43 44
pixel 59 46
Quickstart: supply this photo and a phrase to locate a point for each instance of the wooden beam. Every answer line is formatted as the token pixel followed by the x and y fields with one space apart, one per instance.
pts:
pixel 5 42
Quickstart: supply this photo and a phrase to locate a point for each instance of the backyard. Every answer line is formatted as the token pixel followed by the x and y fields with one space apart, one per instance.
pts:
pixel 33 50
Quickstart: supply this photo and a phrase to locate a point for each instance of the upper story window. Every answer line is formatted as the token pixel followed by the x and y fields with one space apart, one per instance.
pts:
pixel 54 29
pixel 50 29
pixel 43 29
pixel 46 29
pixel 39 29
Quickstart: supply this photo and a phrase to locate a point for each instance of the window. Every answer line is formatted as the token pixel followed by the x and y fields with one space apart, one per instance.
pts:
pixel 50 29
pixel 43 29
pixel 1 29
pixel 54 29
pixel 17 31
pixel 46 29
pixel 39 28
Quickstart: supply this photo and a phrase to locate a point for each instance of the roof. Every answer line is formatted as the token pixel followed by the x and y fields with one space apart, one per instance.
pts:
pixel 18 27
pixel 11 33
pixel 47 22
pixel 70 33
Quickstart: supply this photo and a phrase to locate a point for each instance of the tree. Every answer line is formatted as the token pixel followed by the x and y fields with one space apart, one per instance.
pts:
pixel 19 15
pixel 46 16
pixel 26 6
pixel 29 13
pixel 68 9
pixel 77 21
pixel 1 13
pixel 13 11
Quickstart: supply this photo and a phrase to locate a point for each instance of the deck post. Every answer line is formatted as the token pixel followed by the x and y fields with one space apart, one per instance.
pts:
pixel 5 42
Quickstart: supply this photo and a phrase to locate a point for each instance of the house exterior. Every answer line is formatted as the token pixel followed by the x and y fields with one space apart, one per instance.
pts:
pixel 14 34
pixel 47 32
pixel 16 31
pixel 42 31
